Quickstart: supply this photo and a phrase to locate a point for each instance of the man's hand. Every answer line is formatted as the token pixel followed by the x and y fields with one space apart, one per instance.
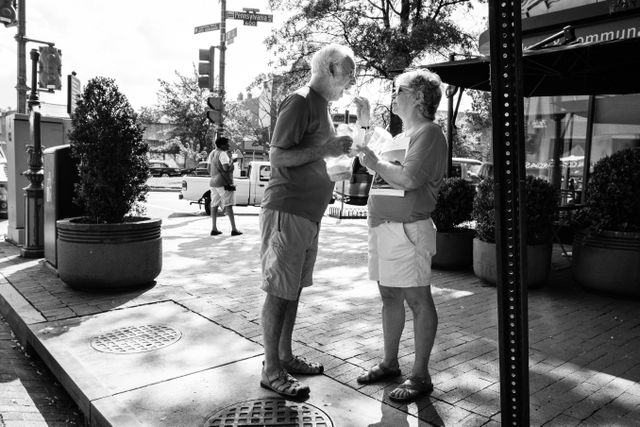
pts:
pixel 363 110
pixel 337 146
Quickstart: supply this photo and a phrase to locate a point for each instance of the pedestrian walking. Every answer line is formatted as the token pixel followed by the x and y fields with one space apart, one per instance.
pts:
pixel 223 191
pixel 294 202
pixel 402 236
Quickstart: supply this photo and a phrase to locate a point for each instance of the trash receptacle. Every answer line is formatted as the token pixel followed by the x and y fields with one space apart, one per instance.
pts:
pixel 60 176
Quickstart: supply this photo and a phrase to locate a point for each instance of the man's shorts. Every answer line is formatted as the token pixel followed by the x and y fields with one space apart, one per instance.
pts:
pixel 287 253
pixel 400 254
pixel 221 197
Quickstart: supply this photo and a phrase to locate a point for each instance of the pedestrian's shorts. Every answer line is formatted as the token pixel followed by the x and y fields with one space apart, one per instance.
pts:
pixel 287 252
pixel 221 197
pixel 400 253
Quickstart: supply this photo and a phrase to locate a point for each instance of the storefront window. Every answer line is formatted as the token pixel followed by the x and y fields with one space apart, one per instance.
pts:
pixel 616 125
pixel 555 138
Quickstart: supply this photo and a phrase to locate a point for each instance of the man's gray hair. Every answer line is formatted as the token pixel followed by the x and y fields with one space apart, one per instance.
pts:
pixel 330 54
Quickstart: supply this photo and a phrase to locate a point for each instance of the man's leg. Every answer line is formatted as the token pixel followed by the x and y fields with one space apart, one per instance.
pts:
pixel 285 352
pixel 393 317
pixel 232 220
pixel 273 318
pixel 425 325
pixel 214 218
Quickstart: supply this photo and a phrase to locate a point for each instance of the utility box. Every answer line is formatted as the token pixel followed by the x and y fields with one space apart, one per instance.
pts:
pixel 53 131
pixel 60 176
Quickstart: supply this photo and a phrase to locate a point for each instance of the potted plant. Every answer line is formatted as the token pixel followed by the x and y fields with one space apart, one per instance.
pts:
pixel 541 206
pixel 606 246
pixel 452 216
pixel 112 246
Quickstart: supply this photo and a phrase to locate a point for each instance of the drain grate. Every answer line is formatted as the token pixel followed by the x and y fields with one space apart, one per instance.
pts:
pixel 269 413
pixel 136 339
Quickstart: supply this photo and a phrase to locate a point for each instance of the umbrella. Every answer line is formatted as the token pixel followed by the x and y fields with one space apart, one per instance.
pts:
pixel 608 67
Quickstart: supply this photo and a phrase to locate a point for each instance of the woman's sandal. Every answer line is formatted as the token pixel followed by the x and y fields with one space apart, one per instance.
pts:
pixel 411 389
pixel 285 385
pixel 300 365
pixel 378 373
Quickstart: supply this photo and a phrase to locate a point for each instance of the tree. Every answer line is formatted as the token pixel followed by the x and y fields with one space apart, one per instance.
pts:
pixel 387 36
pixel 184 104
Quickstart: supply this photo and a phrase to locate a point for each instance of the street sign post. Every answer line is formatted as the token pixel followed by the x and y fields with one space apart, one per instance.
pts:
pixel 249 17
pixel 205 28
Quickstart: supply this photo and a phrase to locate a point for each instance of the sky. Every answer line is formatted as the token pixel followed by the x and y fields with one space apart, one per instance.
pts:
pixel 136 42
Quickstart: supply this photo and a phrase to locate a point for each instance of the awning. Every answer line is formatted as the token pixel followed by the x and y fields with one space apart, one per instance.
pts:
pixel 610 67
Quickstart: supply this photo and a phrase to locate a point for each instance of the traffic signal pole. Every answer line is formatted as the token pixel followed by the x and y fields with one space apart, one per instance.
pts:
pixel 223 48
pixel 21 86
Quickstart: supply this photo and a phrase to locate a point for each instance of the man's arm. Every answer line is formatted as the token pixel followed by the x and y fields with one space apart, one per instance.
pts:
pixel 296 156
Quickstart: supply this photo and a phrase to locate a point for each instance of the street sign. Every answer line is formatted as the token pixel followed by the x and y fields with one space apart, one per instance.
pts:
pixel 231 35
pixel 249 16
pixel 74 89
pixel 205 28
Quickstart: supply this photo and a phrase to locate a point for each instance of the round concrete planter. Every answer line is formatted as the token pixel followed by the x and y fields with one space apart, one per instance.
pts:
pixel 538 263
pixel 454 250
pixel 109 256
pixel 608 261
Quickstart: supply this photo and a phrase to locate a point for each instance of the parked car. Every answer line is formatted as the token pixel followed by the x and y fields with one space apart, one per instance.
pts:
pixel 466 168
pixel 158 168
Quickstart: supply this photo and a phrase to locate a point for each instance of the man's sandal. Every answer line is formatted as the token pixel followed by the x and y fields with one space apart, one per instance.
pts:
pixel 301 366
pixel 285 385
pixel 411 389
pixel 378 373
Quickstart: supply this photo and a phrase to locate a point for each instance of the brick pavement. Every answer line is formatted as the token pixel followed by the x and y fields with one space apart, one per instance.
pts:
pixel 584 347
pixel 29 394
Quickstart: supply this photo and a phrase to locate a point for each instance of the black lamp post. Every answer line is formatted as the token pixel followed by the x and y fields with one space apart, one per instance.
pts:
pixel 33 193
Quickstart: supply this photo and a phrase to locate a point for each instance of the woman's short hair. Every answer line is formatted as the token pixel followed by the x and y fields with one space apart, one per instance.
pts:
pixel 334 53
pixel 427 86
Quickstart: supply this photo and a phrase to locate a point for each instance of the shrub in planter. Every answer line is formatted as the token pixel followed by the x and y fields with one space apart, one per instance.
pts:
pixel 451 216
pixel 106 139
pixel 112 246
pixel 606 247
pixel 541 205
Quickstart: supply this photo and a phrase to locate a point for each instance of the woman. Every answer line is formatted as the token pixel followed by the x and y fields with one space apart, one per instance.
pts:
pixel 402 237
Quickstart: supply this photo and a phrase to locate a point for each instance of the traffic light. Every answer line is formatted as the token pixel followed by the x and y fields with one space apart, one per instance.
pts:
pixel 214 115
pixel 7 13
pixel 205 68
pixel 50 68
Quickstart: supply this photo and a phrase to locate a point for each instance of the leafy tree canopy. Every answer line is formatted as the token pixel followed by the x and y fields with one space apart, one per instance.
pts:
pixel 386 36
pixel 184 104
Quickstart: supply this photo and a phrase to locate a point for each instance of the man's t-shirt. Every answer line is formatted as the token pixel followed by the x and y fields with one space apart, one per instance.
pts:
pixel 305 190
pixel 426 161
pixel 219 178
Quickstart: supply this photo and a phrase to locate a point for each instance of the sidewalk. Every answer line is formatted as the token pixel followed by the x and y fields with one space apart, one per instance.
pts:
pixel 188 351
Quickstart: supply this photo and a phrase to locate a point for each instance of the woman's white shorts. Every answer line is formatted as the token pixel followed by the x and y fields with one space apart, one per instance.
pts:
pixel 400 253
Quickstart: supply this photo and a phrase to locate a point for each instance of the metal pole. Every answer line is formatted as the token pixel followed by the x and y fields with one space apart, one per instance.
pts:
pixel 223 48
pixel 21 86
pixel 450 92
pixel 508 149
pixel 34 193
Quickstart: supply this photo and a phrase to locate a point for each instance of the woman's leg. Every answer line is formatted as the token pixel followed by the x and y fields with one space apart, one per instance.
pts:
pixel 393 318
pixel 425 325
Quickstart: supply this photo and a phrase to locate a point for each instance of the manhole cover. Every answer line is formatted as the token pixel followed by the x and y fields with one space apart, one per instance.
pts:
pixel 269 413
pixel 136 339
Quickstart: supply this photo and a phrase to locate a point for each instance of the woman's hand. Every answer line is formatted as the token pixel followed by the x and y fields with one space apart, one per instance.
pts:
pixel 368 158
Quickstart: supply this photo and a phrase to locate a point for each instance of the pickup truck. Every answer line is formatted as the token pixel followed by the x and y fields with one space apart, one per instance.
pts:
pixel 249 188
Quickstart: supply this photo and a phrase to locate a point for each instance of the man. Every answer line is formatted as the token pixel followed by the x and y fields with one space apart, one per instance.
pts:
pixel 294 202
pixel 221 183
